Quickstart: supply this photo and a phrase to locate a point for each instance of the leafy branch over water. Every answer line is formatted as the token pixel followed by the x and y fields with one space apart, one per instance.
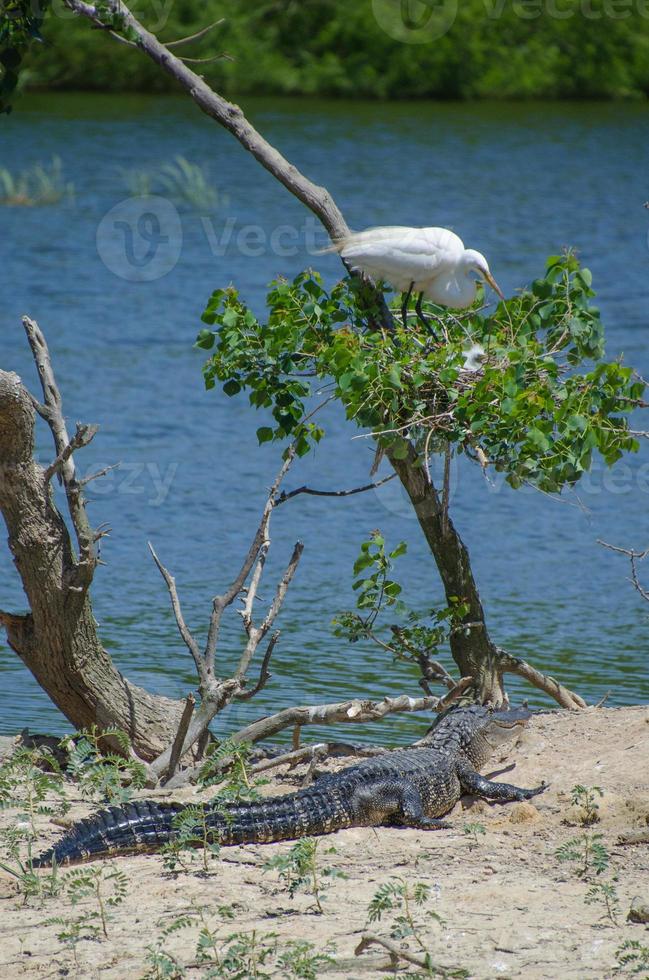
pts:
pixel 536 410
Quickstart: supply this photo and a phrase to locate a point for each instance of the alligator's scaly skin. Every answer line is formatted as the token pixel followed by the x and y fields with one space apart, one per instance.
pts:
pixel 410 787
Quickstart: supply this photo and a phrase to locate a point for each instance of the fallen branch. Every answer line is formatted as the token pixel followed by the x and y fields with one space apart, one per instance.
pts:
pixel 355 711
pixel 397 953
pixel 562 695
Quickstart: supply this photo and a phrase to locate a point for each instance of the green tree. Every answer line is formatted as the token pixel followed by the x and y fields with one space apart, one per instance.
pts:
pixel 542 404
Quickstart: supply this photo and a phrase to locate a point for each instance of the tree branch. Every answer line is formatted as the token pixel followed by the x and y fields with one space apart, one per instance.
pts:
pixel 178 742
pixel 316 198
pixel 283 497
pixel 355 711
pixel 183 629
pixel 83 570
pixel 264 673
pixel 561 694
pixel 196 36
pixel 634 557
pixel 82 437
pixel 221 602
pixel 398 953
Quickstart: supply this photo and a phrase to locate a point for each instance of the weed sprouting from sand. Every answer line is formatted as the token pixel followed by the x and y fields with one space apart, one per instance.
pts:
pixel 299 868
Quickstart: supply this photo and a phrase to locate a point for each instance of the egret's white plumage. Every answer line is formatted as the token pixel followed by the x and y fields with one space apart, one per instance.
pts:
pixel 432 262
pixel 474 358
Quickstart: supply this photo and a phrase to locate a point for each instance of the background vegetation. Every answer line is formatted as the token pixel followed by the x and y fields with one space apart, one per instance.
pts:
pixel 494 49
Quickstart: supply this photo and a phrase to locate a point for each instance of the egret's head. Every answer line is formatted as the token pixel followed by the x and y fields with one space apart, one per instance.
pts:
pixel 475 262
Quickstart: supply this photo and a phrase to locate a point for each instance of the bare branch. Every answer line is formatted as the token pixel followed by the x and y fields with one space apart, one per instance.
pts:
pixel 196 36
pixel 257 633
pixel 284 496
pixel 634 557
pixel 561 694
pixel 84 435
pixel 264 673
pixel 52 412
pixel 188 639
pixel 179 740
pixel 207 61
pixel 462 685
pixel 398 953
pixel 316 198
pixel 98 474
pixel 355 711
pixel 221 602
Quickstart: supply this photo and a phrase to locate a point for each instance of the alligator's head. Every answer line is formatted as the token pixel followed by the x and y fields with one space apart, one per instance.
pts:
pixel 494 729
pixel 476 731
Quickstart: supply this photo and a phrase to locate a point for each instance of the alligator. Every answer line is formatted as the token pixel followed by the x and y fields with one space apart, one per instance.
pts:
pixel 410 787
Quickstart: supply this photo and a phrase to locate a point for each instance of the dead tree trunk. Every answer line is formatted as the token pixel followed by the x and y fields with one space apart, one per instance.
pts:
pixel 57 640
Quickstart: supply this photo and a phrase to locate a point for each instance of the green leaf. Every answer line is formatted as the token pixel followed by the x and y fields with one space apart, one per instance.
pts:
pixel 264 434
pixel 205 339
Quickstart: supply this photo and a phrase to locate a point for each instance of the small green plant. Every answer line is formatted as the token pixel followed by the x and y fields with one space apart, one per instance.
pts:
pixel 235 956
pixel 108 886
pixel 585 797
pixel 587 852
pixel 27 779
pixel 31 783
pixel 226 766
pixel 606 894
pixel 406 904
pixel 193 838
pixel 419 636
pixel 298 868
pixel 103 775
pixel 300 959
pixel 473 831
pixel 162 965
pixel 36 186
pixel 632 957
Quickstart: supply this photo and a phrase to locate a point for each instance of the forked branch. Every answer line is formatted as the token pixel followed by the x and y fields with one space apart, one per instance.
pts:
pixel 51 410
pixel 634 557
pixel 216 693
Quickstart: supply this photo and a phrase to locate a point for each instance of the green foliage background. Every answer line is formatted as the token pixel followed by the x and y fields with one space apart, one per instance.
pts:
pixel 596 48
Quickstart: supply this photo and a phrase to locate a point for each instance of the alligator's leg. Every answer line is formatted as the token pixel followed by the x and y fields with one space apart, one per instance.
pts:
pixel 393 801
pixel 474 783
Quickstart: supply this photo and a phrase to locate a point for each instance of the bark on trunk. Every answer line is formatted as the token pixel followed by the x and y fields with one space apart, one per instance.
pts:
pixel 57 640
pixel 473 650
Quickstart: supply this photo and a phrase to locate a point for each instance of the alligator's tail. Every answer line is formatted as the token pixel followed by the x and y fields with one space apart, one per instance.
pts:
pixel 147 825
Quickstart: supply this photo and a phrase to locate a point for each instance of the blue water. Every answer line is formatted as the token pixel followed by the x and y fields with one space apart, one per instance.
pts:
pixel 517 182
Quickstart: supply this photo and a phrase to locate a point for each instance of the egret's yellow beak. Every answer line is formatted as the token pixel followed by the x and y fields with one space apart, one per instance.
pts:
pixel 494 285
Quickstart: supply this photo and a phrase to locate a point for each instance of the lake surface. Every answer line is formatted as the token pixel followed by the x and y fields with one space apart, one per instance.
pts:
pixel 518 182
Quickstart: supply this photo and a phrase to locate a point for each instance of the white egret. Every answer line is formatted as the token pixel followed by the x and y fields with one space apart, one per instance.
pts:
pixel 474 358
pixel 432 262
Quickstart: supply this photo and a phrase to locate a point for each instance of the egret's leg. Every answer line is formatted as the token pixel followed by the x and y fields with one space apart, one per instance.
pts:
pixel 422 316
pixel 404 305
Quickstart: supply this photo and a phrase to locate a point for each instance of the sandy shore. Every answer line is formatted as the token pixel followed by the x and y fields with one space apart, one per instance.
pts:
pixel 509 907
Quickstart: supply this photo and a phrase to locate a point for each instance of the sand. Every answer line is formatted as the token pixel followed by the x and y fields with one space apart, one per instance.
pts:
pixel 509 907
